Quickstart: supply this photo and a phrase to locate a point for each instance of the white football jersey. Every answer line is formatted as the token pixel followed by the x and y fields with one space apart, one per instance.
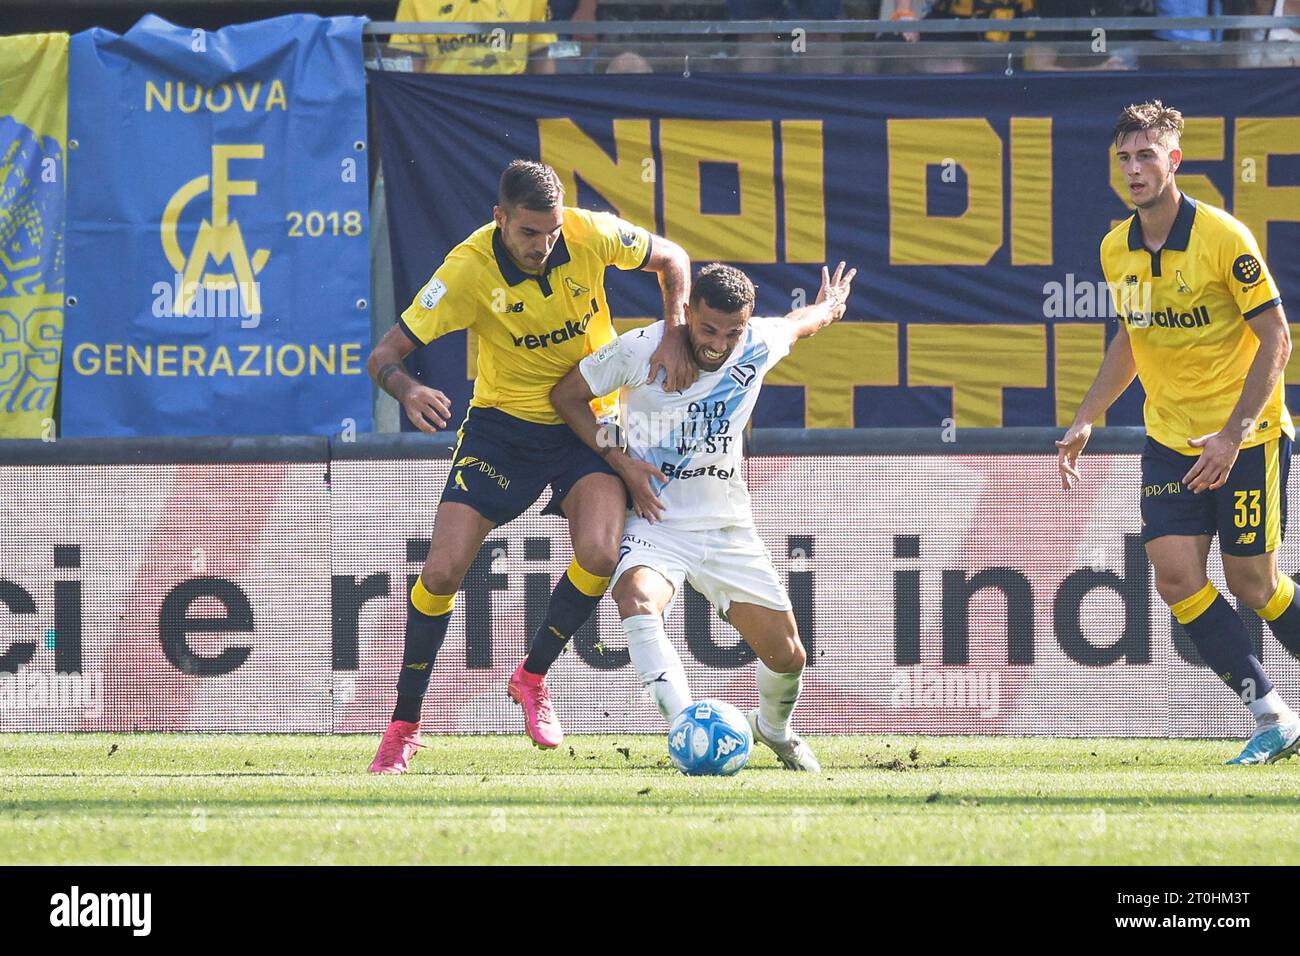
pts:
pixel 692 437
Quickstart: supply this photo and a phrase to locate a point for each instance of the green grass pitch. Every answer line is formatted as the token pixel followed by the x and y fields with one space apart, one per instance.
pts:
pixel 158 798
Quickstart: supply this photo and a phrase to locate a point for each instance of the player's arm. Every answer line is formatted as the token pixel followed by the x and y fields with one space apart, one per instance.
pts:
pixel 1219 451
pixel 830 305
pixel 1115 375
pixel 572 400
pixel 540 62
pixel 673 265
pixel 427 408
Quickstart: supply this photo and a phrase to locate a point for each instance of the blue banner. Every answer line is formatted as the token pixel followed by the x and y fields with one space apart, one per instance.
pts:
pixel 218 263
pixel 973 207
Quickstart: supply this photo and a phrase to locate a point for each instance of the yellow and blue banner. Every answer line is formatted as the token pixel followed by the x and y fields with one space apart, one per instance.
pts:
pixel 972 206
pixel 218 263
pixel 33 135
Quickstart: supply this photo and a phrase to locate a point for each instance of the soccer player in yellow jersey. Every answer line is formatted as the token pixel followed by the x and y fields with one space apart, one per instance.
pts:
pixel 1201 324
pixel 531 285
pixel 496 52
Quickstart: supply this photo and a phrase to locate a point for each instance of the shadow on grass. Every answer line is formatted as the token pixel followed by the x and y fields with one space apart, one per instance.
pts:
pixel 320 805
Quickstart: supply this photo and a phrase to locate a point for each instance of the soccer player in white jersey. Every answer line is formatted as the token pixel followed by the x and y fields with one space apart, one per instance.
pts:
pixel 682 466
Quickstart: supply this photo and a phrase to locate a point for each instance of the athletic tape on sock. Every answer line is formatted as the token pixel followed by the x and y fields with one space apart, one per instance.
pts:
pixel 589 584
pixel 1280 601
pixel 430 604
pixel 1189 609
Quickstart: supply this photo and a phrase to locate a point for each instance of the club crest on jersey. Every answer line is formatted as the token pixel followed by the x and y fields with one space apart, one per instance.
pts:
pixel 744 375
pixel 574 287
pixel 627 237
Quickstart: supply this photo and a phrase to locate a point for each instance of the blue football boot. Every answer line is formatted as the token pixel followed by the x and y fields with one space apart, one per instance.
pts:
pixel 1270 744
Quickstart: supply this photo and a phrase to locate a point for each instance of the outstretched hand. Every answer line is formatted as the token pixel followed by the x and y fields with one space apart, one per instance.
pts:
pixel 835 290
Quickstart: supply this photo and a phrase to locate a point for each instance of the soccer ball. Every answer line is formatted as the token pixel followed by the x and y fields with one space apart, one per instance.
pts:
pixel 710 738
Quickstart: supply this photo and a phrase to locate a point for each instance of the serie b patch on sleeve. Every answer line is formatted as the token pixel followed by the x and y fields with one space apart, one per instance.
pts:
pixel 432 293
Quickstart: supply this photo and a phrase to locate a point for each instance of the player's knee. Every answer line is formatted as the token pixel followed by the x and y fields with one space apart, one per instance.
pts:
pixel 598 559
pixel 1177 586
pixel 1252 592
pixel 789 658
pixel 441 576
pixel 632 600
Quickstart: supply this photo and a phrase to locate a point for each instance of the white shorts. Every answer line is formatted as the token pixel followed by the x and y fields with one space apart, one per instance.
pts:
pixel 724 564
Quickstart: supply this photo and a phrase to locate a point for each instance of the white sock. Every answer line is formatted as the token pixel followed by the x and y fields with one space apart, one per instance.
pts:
pixel 777 695
pixel 1270 709
pixel 657 663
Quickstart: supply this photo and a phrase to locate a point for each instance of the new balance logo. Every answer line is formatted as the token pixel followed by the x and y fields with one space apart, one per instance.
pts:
pixel 1247 537
pixel 515 307
pixel 570 330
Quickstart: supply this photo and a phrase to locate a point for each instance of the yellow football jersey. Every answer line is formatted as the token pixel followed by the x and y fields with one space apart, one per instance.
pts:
pixel 475 53
pixel 532 328
pixel 1186 308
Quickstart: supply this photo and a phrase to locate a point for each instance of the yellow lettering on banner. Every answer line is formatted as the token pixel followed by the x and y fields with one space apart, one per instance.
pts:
pixel 276 97
pixel 250 355
pixel 296 351
pixel 802 178
pixel 248 97
pixel 1031 191
pixel 352 358
pixel 977 362
pixel 224 88
pixel 1202 140
pixel 166 356
pixel 113 358
pixel 747 236
pixel 572 153
pixel 1258 203
pixel 134 359
pixel 221 362
pixel 832 362
pixel 1079 349
pixel 153 95
pixel 917 238
pixel 180 98
pixel 192 358
pixel 321 359
pixel 93 367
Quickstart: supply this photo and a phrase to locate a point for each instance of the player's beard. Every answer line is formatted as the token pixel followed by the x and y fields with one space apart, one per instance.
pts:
pixel 697 353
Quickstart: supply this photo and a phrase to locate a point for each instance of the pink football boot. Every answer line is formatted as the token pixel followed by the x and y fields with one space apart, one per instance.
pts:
pixel 529 692
pixel 400 742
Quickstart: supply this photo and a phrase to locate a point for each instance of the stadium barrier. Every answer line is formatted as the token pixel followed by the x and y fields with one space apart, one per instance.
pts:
pixel 942 580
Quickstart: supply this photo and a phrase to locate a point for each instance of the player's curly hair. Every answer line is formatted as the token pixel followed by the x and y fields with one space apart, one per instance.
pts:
pixel 722 287
pixel 1153 116
pixel 526 184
